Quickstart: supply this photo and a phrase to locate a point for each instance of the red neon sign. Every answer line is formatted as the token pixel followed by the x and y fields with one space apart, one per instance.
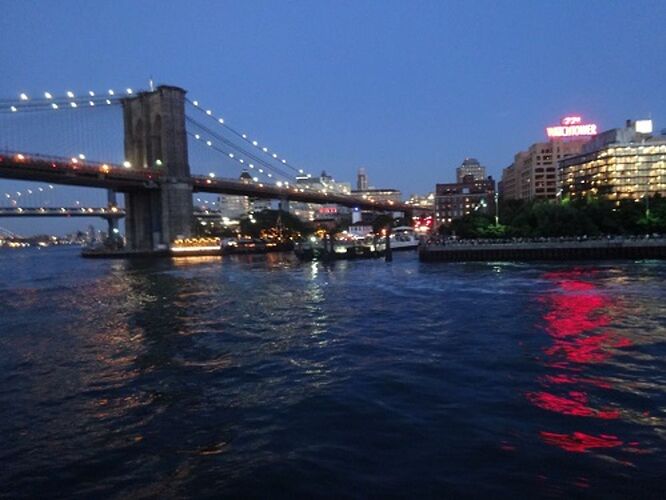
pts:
pixel 572 126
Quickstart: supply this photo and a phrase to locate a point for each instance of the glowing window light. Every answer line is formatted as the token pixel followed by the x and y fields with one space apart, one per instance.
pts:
pixel 127 164
pixel 73 104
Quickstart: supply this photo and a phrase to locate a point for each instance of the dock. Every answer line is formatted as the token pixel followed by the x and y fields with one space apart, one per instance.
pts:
pixel 596 249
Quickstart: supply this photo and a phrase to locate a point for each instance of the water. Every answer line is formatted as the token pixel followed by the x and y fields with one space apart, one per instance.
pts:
pixel 263 377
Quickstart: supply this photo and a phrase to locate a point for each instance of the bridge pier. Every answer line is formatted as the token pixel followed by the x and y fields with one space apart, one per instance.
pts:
pixel 112 222
pixel 283 204
pixel 155 139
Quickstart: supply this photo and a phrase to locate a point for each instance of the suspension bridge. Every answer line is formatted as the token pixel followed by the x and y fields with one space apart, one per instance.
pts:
pixel 167 140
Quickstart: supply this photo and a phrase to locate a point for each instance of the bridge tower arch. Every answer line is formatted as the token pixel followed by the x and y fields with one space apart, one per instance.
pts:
pixel 156 139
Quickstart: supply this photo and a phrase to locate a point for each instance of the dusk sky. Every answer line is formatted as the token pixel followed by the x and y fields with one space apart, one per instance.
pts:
pixel 406 89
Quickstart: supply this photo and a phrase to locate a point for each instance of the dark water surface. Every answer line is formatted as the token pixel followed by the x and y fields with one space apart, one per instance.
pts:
pixel 264 377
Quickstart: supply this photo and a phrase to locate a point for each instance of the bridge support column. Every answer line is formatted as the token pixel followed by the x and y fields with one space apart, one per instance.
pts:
pixel 283 205
pixel 112 222
pixel 156 140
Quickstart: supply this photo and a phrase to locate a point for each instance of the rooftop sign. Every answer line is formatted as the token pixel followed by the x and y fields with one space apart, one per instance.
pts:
pixel 571 126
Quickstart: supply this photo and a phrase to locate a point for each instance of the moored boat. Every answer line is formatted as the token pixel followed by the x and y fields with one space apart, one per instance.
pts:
pixel 404 238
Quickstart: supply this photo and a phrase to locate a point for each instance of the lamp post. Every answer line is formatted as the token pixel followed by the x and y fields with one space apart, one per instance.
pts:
pixel 496 209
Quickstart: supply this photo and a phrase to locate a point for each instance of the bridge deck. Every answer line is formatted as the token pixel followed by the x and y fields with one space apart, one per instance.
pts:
pixel 30 167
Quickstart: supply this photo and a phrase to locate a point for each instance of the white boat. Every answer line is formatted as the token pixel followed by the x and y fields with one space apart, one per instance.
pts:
pixel 404 238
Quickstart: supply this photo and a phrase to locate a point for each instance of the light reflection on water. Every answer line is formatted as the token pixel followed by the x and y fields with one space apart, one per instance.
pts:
pixel 260 375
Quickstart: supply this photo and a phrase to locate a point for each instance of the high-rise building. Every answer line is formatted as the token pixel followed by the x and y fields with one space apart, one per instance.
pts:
pixel 620 164
pixel 361 180
pixel 457 199
pixel 533 173
pixel 470 166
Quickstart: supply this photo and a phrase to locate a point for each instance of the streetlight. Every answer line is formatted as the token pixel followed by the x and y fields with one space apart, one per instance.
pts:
pixel 647 205
pixel 482 204
pixel 496 209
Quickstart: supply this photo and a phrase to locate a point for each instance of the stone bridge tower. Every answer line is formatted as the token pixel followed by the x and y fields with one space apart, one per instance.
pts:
pixel 155 139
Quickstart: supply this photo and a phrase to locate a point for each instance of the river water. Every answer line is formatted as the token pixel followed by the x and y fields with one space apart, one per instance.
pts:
pixel 260 376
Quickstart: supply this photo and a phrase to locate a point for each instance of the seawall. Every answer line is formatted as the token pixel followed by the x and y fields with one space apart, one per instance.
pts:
pixel 553 251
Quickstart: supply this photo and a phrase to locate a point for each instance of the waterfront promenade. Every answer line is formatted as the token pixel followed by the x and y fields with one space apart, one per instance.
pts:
pixel 547 249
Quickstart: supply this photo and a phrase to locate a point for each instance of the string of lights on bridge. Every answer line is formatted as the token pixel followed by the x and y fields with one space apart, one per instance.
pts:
pixel 253 142
pixel 68 101
pixel 251 162
pixel 35 197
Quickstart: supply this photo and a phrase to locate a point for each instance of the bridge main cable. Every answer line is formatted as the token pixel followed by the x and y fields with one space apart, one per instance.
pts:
pixel 238 148
pixel 244 137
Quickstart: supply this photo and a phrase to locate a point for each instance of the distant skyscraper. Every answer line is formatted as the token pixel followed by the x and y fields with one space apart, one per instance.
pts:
pixel 470 166
pixel 361 180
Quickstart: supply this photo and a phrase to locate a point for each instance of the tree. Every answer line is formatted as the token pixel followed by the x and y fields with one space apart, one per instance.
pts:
pixel 272 221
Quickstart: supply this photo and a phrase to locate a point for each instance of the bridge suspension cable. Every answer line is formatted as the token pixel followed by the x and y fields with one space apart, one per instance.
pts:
pixel 273 156
pixel 71 125
pixel 6 233
pixel 211 138
pixel 53 102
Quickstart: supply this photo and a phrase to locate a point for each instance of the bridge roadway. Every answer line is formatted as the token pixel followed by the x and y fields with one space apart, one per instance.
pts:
pixel 101 212
pixel 57 170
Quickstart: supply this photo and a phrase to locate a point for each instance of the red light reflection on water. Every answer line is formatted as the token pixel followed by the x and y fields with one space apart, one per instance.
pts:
pixel 577 321
pixel 575 405
pixel 579 442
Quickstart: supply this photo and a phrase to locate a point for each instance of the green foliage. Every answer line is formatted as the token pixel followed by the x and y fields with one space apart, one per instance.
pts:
pixel 382 221
pixel 589 217
pixel 267 220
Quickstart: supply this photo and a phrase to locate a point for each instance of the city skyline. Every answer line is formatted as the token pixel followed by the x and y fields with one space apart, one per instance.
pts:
pixel 386 86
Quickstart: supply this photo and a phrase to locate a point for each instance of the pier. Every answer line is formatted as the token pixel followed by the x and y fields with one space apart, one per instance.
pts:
pixel 652 248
